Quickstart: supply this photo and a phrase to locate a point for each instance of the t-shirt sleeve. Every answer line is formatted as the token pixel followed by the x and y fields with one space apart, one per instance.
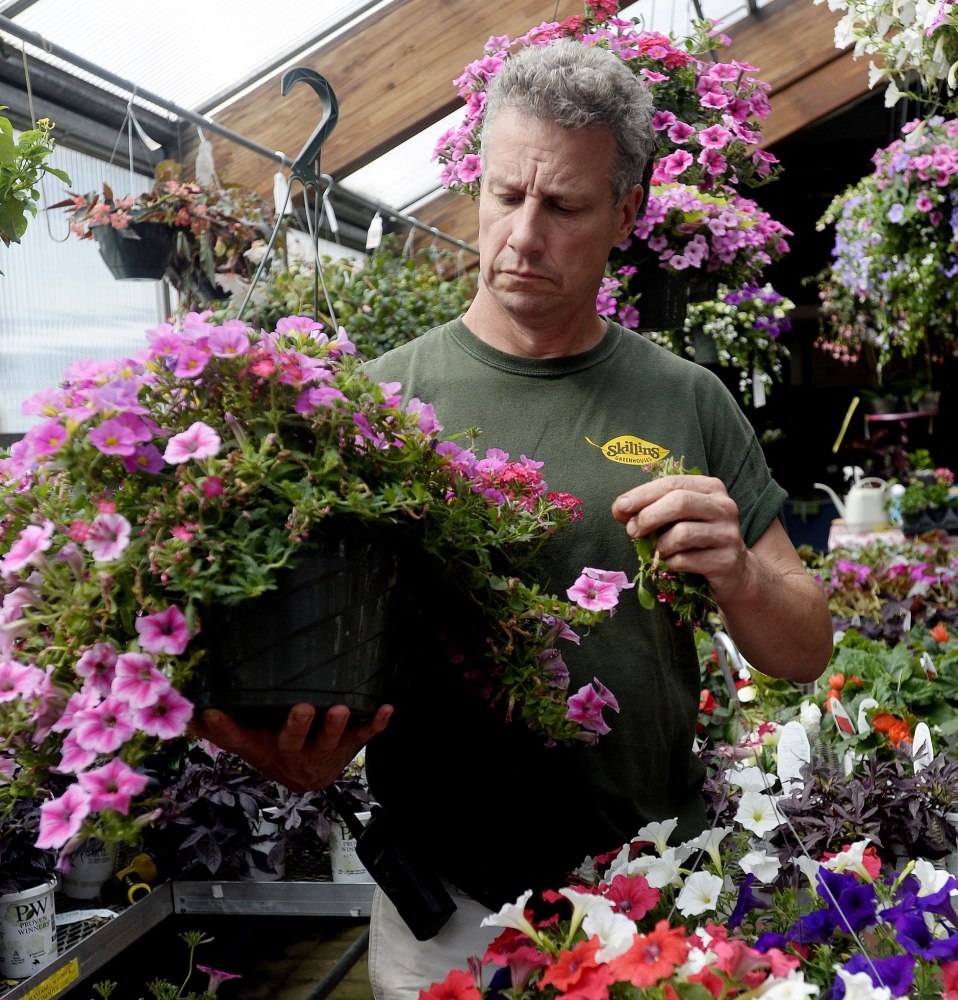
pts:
pixel 735 457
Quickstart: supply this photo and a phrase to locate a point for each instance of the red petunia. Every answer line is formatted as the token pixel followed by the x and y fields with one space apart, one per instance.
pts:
pixel 458 985
pixel 632 895
pixel 654 956
pixel 577 973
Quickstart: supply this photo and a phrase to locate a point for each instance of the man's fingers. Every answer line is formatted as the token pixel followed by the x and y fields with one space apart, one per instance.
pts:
pixel 363 734
pixel 626 505
pixel 292 737
pixel 219 728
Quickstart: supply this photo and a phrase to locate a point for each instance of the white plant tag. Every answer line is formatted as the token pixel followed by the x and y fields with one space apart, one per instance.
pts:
pixel 864 726
pixel 929 665
pixel 906 625
pixel 922 752
pixel 794 751
pixel 842 719
pixel 848 762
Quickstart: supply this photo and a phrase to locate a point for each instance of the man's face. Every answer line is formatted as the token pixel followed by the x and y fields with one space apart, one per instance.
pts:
pixel 546 219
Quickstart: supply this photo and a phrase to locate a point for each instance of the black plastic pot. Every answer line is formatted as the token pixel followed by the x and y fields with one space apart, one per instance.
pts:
pixel 325 636
pixel 703 286
pixel 140 251
pixel 664 301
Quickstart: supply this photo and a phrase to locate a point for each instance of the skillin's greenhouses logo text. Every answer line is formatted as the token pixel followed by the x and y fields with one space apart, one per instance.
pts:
pixel 629 450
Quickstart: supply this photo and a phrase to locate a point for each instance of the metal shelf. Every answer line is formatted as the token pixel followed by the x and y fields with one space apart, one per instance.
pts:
pixel 84 949
pixel 289 899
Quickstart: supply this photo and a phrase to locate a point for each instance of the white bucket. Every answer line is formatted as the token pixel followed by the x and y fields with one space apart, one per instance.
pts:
pixel 262 832
pixel 342 852
pixel 28 931
pixel 90 867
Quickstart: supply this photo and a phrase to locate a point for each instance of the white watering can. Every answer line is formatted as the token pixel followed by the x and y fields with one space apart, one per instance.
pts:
pixel 864 505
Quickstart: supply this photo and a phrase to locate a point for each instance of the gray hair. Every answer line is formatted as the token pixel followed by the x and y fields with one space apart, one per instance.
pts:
pixel 580 86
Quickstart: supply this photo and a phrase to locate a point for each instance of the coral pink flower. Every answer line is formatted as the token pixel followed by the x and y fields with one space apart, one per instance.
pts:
pixel 137 680
pixel 61 819
pixel 104 728
pixel 109 536
pixel 199 440
pixel 593 595
pixel 17 680
pixel 632 896
pixel 28 549
pixel 164 631
pixel 166 717
pixel 96 665
pixel 112 786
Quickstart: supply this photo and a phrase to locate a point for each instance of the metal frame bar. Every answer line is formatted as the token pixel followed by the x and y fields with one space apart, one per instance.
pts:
pixel 17 7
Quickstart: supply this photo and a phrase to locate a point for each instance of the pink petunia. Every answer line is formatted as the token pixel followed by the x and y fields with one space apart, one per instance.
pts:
pixel 73 758
pixel 585 707
pixel 427 416
pixel 97 664
pixel 198 441
pixel 216 978
pixel 104 728
pixel 112 438
pixel 661 120
pixel 166 717
pixel 61 819
pixel 112 786
pixel 163 632
pixel 680 133
pixel 191 362
pixel 617 578
pixel 593 595
pixel 229 341
pixel 674 164
pixel 17 680
pixel 714 137
pixel 314 398
pixel 137 681
pixel 28 549
pixel 470 167
pixel 109 535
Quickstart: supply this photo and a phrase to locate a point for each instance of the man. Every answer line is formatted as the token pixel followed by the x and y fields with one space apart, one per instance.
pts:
pixel 565 141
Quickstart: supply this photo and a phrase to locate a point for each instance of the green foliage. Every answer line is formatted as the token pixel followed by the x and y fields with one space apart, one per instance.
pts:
pixel 382 303
pixel 22 164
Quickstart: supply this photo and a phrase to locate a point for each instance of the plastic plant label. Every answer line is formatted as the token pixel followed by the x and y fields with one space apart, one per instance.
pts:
pixel 922 752
pixel 864 726
pixel 842 719
pixel 55 983
pixel 794 751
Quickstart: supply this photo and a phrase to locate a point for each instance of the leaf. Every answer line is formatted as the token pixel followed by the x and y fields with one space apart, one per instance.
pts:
pixel 8 150
pixel 61 175
pixel 645 598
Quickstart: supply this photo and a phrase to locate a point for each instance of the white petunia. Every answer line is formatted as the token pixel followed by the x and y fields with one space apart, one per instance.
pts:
pixel 850 860
pixel 809 868
pixel 763 866
pixel 619 864
pixel 695 962
pixel 757 813
pixel 747 693
pixel 709 841
pixel 859 986
pixel 657 833
pixel 810 716
pixel 699 894
pixel 665 870
pixel 932 879
pixel 615 931
pixel 749 779
pixel 513 915
pixel 793 987
pixel 584 903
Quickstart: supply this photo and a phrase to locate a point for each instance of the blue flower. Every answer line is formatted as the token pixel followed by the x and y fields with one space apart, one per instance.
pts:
pixel 896 972
pixel 812 928
pixel 747 901
pixel 856 908
pixel 770 940
pixel 896 213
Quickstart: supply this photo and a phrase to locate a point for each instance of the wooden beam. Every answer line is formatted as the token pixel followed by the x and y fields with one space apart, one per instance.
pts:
pixel 392 75
pixel 816 95
pixel 455 214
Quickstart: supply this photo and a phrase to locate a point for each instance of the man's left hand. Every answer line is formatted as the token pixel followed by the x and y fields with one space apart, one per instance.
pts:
pixel 702 531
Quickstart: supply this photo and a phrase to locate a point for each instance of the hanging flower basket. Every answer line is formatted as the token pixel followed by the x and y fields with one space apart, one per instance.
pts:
pixel 140 251
pixel 323 636
pixel 663 303
pixel 703 287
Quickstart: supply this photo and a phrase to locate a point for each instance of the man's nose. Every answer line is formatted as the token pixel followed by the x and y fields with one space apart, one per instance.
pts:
pixel 527 235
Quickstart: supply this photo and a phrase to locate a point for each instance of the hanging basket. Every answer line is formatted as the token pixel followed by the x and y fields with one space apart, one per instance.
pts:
pixel 664 301
pixel 703 286
pixel 140 251
pixel 324 636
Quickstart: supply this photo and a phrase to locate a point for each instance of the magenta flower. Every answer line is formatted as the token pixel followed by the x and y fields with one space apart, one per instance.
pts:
pixel 470 167
pixel 593 595
pixel 137 681
pixel 164 631
pixel 48 437
pixel 661 120
pixel 216 978
pixel 198 441
pixel 113 438
pixel 112 786
pixel 715 102
pixel 629 316
pixel 73 758
pixel 97 665
pixel 314 398
pixel 109 536
pixel 87 697
pixel 617 578
pixel 191 362
pixel 652 76
pixel 585 707
pixel 674 164
pixel 28 549
pixel 714 137
pixel 105 728
pixel 166 717
pixel 427 416
pixel 924 203
pixel 146 458
pixel 17 680
pixel 681 133
pixel 61 819
pixel 229 342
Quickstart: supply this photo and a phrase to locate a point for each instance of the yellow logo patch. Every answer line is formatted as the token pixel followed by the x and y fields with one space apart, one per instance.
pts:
pixel 629 450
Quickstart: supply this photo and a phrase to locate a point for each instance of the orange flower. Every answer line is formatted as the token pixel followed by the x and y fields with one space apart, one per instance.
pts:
pixel 578 975
pixel 939 633
pixel 832 695
pixel 836 681
pixel 653 956
pixel 894 728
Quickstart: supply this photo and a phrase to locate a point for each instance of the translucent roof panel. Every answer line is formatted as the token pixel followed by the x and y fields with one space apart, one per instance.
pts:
pixel 187 52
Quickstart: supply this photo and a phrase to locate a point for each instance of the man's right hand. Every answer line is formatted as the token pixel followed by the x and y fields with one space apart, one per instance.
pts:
pixel 292 757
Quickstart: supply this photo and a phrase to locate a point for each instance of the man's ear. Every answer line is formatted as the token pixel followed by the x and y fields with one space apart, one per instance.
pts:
pixel 628 211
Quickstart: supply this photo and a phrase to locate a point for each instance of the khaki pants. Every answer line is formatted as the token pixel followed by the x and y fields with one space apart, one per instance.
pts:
pixel 400 966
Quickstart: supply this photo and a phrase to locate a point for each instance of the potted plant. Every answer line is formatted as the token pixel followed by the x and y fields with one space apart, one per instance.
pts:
pixel 22 164
pixel 196 236
pixel 888 295
pixel 130 527
pixel 929 503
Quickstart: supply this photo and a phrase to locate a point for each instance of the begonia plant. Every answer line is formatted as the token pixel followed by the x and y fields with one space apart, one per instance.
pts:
pixel 157 487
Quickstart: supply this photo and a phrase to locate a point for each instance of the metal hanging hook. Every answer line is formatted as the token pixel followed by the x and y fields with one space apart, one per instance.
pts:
pixel 306 166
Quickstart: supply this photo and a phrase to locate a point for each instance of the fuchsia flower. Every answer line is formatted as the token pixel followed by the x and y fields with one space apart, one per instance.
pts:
pixel 191 362
pixel 112 786
pixel 97 665
pixel 198 441
pixel 137 681
pixel 216 978
pixel 230 340
pixel 166 717
pixel 313 399
pixel 164 631
pixel 61 819
pixel 47 438
pixel 593 595
pixel 585 707
pixel 106 728
pixel 661 120
pixel 145 458
pixel 73 758
pixel 617 578
pixel 427 416
pixel 113 438
pixel 17 680
pixel 109 535
pixel 28 549
pixel 681 133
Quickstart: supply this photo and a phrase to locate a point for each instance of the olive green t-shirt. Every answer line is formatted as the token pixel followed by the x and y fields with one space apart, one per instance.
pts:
pixel 499 811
